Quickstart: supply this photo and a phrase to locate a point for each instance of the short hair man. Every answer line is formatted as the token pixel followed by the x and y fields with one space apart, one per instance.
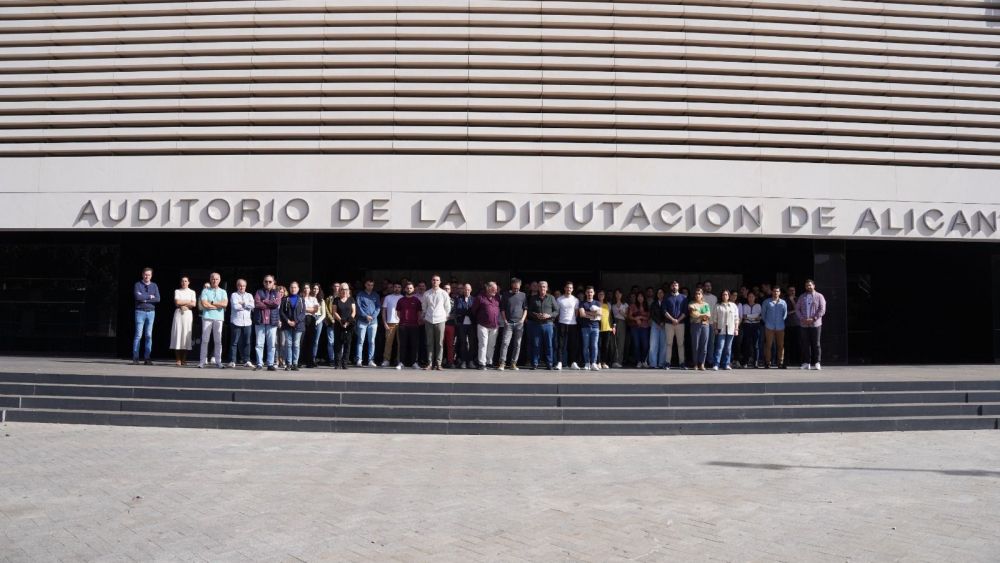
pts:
pixel 146 295
pixel 214 303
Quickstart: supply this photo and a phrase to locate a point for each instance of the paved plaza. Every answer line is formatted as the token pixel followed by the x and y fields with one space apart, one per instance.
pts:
pixel 75 493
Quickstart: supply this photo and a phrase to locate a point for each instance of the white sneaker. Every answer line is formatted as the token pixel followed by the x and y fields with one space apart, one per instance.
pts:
pixel 729 367
pixel 666 368
pixel 415 366
pixel 586 367
pixel 399 366
pixel 558 365
pixel 211 361
pixel 357 364
pixel 372 364
pixel 232 364
pixel 385 364
pixel 817 367
pixel 804 366
pixel 500 367
pixel 248 365
pixel 596 367
pixel 201 366
pixel 574 366
pixel 715 368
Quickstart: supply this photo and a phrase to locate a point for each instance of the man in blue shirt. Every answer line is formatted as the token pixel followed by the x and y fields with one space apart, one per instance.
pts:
pixel 774 313
pixel 146 295
pixel 369 305
pixel 674 314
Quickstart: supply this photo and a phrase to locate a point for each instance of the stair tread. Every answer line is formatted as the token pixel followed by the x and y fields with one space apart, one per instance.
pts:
pixel 503 421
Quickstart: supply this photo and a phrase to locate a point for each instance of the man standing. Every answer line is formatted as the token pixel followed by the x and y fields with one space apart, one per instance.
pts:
pixel 436 305
pixel 463 326
pixel 513 311
pixel 775 311
pixel 674 314
pixel 214 303
pixel 810 308
pixel 542 311
pixel 369 306
pixel 390 321
pixel 242 303
pixel 449 328
pixel 657 337
pixel 569 337
pixel 147 295
pixel 486 311
pixel 265 319
pixel 408 311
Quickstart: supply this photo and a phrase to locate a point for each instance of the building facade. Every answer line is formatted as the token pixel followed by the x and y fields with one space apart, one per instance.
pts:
pixel 854 142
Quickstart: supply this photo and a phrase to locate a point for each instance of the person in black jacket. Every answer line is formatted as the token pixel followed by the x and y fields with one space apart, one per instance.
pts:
pixel 293 324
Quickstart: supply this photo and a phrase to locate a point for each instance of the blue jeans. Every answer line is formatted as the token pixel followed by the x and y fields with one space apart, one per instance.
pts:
pixel 239 348
pixel 657 346
pixel 365 333
pixel 143 329
pixel 723 350
pixel 320 327
pixel 330 340
pixel 590 335
pixel 640 343
pixel 540 334
pixel 267 335
pixel 293 345
pixel 699 342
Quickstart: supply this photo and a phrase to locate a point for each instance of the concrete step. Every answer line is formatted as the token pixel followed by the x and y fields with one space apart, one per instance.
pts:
pixel 497 399
pixel 502 412
pixel 303 383
pixel 437 426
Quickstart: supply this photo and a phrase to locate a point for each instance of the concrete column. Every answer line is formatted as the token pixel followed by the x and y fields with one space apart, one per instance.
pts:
pixel 830 275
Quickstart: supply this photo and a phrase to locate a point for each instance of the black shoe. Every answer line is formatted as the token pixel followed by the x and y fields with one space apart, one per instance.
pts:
pixel 295 368
pixel 533 367
pixel 148 362
pixel 343 365
pixel 135 362
pixel 272 368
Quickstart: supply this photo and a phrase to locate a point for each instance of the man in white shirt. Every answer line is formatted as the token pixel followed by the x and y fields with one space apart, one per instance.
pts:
pixel 436 305
pixel 568 335
pixel 241 305
pixel 390 321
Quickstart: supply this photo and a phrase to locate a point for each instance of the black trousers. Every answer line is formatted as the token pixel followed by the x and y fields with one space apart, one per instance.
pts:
pixel 809 342
pixel 607 347
pixel 342 338
pixel 409 344
pixel 569 343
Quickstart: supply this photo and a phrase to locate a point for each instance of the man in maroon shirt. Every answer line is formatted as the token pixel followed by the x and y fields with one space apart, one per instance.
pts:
pixel 408 309
pixel 486 311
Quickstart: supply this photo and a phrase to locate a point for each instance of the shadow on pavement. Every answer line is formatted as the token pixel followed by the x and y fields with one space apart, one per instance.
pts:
pixel 780 467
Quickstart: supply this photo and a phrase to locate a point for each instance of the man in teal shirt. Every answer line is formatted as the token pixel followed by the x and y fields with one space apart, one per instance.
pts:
pixel 214 302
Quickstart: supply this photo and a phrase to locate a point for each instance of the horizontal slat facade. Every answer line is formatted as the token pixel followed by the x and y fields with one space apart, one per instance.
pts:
pixel 892 83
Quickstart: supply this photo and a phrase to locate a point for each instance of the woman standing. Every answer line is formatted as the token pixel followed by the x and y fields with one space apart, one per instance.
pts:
pixel 607 338
pixel 282 293
pixel 639 315
pixel 619 311
pixel 180 332
pixel 309 334
pixel 700 314
pixel 344 313
pixel 320 316
pixel 725 323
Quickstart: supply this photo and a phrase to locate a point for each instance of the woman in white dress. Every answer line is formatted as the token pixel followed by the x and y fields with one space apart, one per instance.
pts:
pixel 180 333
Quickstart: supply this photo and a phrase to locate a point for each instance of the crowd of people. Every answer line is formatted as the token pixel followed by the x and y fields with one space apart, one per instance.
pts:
pixel 449 325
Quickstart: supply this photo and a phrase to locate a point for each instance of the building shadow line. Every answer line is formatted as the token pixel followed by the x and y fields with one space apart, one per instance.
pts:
pixel 783 467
